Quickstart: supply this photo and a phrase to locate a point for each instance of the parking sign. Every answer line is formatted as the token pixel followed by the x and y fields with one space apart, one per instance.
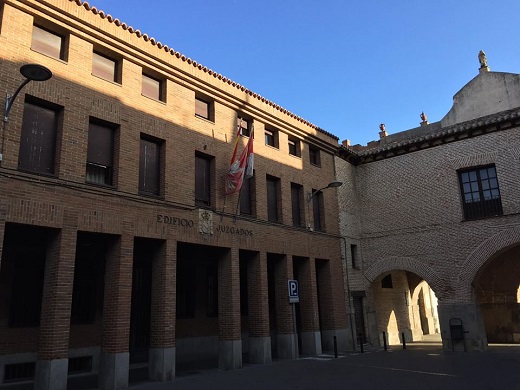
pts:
pixel 293 291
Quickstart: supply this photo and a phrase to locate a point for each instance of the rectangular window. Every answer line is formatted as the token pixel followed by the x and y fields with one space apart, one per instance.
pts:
pixel 317 210
pixel 271 137
pixel 152 88
pixel 314 156
pixel 294 147
pixel 105 67
pixel 244 295
pixel 100 154
pixel 202 180
pixel 273 185
pixel 150 166
pixel 48 43
pixel 480 192
pixel 38 139
pixel 245 126
pixel 204 108
pixel 296 199
pixel 246 196
pixel 354 256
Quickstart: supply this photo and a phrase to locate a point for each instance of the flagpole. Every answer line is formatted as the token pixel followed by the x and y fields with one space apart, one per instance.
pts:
pixel 239 126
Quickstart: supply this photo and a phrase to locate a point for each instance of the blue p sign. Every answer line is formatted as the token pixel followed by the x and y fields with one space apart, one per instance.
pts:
pixel 293 291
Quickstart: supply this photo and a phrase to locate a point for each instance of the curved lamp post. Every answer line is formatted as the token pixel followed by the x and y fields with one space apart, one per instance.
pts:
pixel 333 184
pixel 31 72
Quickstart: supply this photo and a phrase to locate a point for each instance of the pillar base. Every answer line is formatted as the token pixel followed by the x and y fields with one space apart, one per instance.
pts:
pixel 311 343
pixel 473 326
pixel 286 346
pixel 113 371
pixel 162 364
pixel 342 338
pixel 51 374
pixel 260 350
pixel 230 354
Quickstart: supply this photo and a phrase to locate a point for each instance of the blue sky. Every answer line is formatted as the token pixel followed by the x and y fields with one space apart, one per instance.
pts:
pixel 344 65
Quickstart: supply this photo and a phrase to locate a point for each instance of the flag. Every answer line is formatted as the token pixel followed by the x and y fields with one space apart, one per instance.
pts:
pixel 250 156
pixel 235 175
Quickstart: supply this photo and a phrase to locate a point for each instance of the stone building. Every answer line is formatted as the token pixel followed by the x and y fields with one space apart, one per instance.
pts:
pixel 119 246
pixel 432 216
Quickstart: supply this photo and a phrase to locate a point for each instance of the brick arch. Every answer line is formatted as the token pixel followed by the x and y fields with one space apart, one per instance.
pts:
pixel 407 264
pixel 474 262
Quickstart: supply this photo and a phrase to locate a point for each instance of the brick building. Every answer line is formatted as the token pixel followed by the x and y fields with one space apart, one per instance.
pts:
pixel 432 218
pixel 118 244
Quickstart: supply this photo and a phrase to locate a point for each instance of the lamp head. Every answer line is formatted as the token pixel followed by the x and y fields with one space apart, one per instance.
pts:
pixel 35 72
pixel 335 184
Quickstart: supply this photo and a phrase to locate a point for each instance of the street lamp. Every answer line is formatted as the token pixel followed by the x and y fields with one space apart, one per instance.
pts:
pixel 31 72
pixel 310 195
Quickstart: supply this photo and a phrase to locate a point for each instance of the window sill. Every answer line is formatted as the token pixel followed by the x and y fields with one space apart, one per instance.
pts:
pixel 212 121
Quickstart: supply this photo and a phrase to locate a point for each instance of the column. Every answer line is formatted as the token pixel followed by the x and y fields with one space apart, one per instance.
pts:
pixel 310 318
pixel 114 362
pixel 287 343
pixel 473 326
pixel 259 335
pixel 53 349
pixel 230 339
pixel 162 326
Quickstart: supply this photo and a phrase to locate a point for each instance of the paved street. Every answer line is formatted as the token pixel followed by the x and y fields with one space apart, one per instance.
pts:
pixel 420 366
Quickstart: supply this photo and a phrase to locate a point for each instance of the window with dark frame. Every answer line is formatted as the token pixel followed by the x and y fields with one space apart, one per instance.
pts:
pixel 354 256
pixel 150 165
pixel 273 185
pixel 204 108
pixel 245 126
pixel 271 137
pixel 152 87
pixel 48 42
pixel 296 202
pixel 317 210
pixel 100 154
pixel 104 67
pixel 202 180
pixel 480 192
pixel 38 139
pixel 246 196
pixel 294 147
pixel 314 156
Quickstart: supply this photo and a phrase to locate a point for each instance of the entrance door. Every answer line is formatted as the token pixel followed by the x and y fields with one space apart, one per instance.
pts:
pixel 359 319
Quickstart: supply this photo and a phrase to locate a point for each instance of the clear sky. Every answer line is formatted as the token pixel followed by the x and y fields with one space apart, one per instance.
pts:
pixel 344 65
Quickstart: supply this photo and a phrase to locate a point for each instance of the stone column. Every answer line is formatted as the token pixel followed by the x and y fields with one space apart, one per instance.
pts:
pixel 53 349
pixel 310 318
pixel 230 338
pixel 114 364
pixel 162 326
pixel 473 325
pixel 287 345
pixel 259 336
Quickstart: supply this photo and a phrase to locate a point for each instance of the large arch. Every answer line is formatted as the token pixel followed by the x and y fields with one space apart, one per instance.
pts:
pixel 493 246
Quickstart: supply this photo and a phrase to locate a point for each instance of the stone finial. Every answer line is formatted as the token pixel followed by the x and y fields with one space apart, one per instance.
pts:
pixel 424 119
pixel 383 132
pixel 482 59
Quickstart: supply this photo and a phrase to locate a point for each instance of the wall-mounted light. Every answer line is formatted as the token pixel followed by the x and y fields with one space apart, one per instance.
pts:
pixel 310 195
pixel 31 72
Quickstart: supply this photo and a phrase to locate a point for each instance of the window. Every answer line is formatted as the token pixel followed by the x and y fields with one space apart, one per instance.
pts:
pixel 47 42
pixel 100 154
pixel 480 192
pixel 212 289
pixel 244 295
pixel 204 108
pixel 296 200
pixel 38 139
pixel 202 180
pixel 245 126
pixel 271 138
pixel 386 282
pixel 354 256
pixel 294 147
pixel 105 67
pixel 314 156
pixel 246 196
pixel 152 88
pixel 273 185
pixel 185 295
pixel 150 165
pixel 317 210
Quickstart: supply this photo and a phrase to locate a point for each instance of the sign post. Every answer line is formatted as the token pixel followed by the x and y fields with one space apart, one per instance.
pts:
pixel 293 299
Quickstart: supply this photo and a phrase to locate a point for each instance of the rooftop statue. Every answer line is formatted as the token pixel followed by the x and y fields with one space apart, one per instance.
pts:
pixel 482 59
